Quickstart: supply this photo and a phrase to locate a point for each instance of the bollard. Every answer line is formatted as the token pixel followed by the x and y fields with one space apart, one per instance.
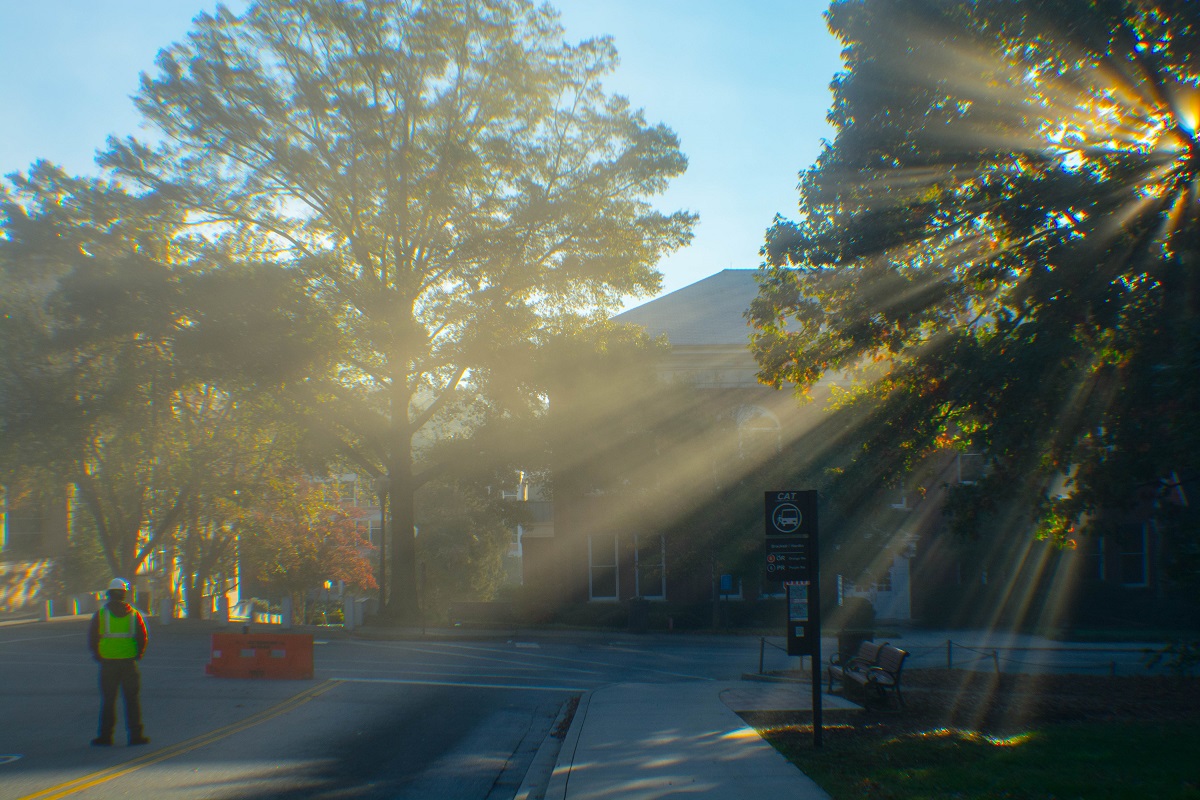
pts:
pixel 47 610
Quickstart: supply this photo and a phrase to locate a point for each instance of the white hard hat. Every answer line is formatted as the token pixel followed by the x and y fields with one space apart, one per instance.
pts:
pixel 119 584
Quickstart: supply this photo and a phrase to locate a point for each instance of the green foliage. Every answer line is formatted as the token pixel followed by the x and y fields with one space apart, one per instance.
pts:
pixel 464 537
pixel 1181 657
pixel 145 366
pixel 1113 760
pixel 1001 244
pixel 84 568
pixel 295 536
pixel 450 180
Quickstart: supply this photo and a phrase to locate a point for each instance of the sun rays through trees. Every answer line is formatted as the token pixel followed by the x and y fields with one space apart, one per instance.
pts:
pixel 1003 238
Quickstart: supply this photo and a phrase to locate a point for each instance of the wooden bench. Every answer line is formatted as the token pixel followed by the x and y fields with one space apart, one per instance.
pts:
pixel 876 670
pixel 865 658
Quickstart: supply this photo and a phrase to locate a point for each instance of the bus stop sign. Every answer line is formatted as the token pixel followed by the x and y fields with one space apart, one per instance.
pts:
pixel 791 535
pixel 791 557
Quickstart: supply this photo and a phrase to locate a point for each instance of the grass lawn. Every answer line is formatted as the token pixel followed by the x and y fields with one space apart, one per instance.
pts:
pixel 968 735
pixel 1064 760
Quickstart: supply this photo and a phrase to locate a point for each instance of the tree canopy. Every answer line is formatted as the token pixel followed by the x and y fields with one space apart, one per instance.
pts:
pixel 450 179
pixel 298 535
pixel 1001 241
pixel 117 374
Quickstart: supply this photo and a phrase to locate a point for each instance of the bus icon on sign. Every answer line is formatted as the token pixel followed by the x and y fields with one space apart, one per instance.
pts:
pixel 786 518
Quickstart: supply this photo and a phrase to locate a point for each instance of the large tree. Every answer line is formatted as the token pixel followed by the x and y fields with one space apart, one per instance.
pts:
pixel 450 178
pixel 1002 241
pixel 117 375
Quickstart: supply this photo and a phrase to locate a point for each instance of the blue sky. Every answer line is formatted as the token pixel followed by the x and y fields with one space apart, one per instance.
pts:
pixel 745 84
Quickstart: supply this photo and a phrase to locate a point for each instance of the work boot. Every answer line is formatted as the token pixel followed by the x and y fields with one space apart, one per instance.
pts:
pixel 135 740
pixel 101 741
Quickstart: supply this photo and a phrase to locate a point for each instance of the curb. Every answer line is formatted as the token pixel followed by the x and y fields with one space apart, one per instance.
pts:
pixel 560 773
pixel 41 620
pixel 537 777
pixel 757 677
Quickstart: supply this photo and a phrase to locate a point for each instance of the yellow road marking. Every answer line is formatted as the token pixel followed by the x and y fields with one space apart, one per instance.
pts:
pixel 105 775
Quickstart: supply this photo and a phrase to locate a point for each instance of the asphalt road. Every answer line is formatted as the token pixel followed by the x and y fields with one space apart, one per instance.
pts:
pixel 444 718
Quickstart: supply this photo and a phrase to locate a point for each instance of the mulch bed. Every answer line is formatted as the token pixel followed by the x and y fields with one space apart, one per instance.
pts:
pixel 1003 704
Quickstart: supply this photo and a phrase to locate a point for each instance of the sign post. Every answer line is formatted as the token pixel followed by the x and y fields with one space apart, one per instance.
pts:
pixel 792 558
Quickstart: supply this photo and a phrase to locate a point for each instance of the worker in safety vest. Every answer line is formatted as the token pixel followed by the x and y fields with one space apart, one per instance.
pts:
pixel 117 638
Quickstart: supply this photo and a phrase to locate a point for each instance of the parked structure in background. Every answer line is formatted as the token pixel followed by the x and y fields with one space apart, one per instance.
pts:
pixel 609 546
pixel 34 528
pixel 612 545
pixel 37 525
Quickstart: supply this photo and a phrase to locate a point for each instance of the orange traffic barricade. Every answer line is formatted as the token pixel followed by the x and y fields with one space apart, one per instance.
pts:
pixel 286 656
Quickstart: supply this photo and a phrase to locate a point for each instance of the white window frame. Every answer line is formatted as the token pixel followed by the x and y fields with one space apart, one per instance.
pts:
pixel 662 567
pixel 615 565
pixel 370 529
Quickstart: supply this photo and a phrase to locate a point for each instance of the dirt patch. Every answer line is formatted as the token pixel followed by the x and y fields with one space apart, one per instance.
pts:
pixel 1001 705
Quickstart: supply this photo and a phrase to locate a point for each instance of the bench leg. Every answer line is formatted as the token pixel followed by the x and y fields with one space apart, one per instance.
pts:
pixel 882 691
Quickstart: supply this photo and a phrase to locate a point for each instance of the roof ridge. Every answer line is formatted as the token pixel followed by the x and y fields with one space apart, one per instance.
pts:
pixel 707 312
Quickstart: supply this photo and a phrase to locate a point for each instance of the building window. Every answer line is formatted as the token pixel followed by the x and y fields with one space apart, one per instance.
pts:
pixel 1133 552
pixel 602 561
pixel 350 491
pixel 23 524
pixel 971 468
pixel 370 529
pixel 650 560
pixel 899 499
pixel 883 583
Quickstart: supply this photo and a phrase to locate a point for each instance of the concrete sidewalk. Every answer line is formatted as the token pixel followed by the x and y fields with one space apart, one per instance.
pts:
pixel 638 741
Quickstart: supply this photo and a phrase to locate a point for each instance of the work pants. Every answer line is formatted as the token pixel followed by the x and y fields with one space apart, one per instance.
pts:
pixel 122 674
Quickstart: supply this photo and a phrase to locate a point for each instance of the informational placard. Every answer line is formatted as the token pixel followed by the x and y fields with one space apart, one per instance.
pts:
pixel 791 556
pixel 791 534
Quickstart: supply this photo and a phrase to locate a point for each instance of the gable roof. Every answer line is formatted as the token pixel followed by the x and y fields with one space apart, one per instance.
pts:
pixel 708 312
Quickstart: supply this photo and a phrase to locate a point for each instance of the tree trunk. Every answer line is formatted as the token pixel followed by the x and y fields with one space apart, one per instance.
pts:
pixel 402 604
pixel 128 556
pixel 195 597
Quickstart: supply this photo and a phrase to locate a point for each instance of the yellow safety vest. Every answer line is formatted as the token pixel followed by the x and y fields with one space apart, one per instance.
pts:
pixel 116 635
